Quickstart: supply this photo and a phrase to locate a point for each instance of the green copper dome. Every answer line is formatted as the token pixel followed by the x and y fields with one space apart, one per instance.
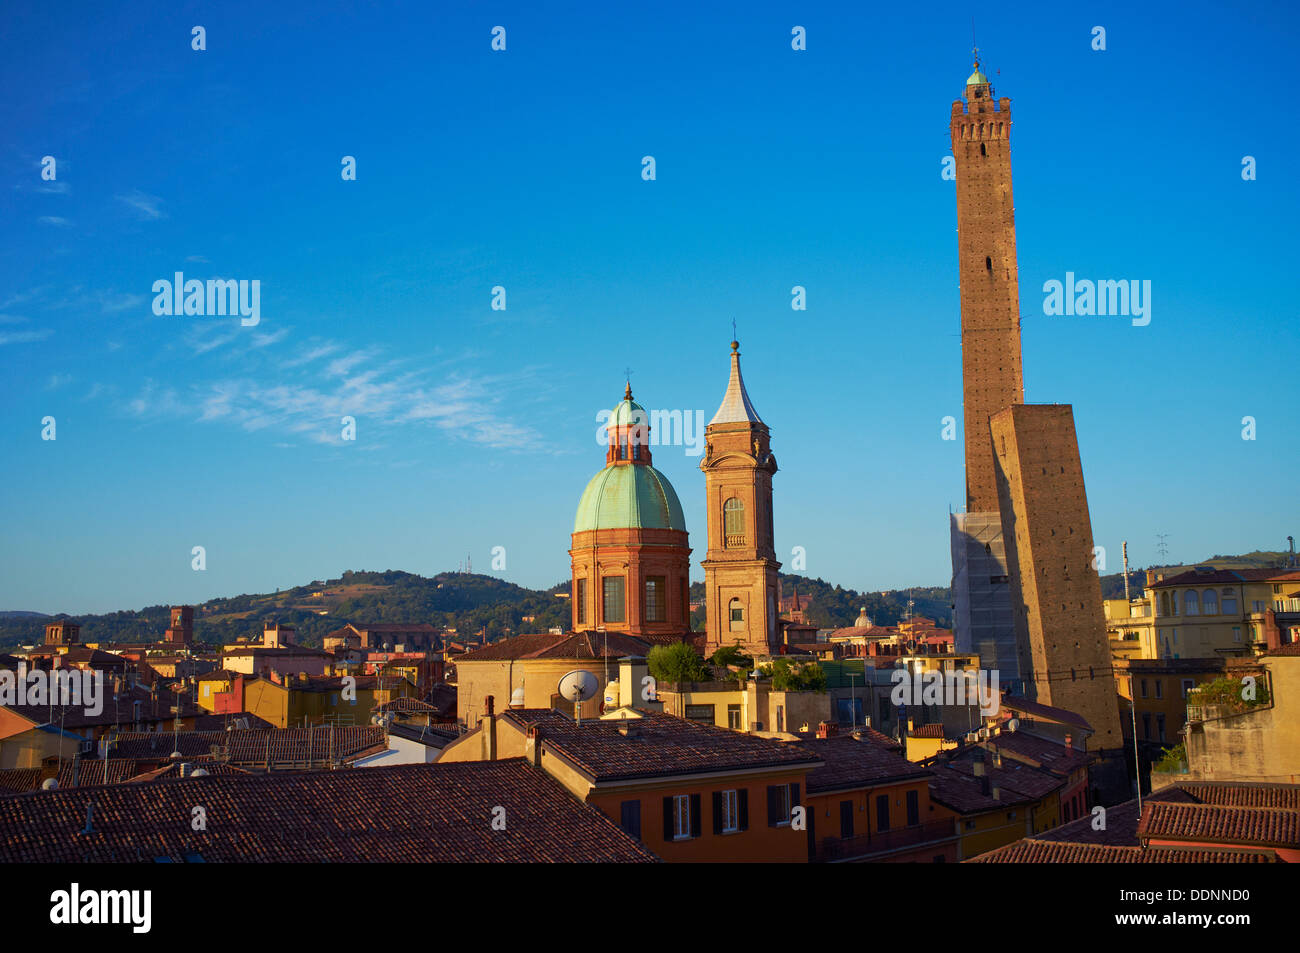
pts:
pixel 976 78
pixel 629 496
pixel 627 413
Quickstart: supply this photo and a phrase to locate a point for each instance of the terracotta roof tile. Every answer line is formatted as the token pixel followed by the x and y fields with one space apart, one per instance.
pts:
pixel 1258 826
pixel 403 814
pixel 117 709
pixel 850 763
pixel 574 645
pixel 283 746
pixel 1243 794
pixel 927 731
pixel 1046 712
pixel 659 744
pixel 94 771
pixel 19 780
pixel 1041 752
pixel 1035 851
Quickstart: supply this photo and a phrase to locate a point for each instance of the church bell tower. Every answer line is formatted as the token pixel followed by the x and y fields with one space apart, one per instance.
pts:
pixel 740 569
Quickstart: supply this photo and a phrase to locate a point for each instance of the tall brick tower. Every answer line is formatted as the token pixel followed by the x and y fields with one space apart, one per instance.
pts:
pixel 740 568
pixel 1059 621
pixel 990 297
pixel 182 627
pixel 991 371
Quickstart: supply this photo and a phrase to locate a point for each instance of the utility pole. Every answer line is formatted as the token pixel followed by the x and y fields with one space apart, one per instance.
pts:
pixel 1137 765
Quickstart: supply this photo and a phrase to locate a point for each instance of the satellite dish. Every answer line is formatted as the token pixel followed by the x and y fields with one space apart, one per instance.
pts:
pixel 1013 724
pixel 517 697
pixel 578 686
pixel 199 773
pixel 49 784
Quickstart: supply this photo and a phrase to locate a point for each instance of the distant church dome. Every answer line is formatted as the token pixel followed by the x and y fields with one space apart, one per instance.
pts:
pixel 976 79
pixel 629 497
pixel 863 621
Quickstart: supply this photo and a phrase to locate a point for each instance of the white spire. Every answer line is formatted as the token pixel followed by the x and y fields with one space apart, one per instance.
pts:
pixel 736 408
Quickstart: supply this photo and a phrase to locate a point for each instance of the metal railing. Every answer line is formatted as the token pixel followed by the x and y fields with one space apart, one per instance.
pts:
pixel 861 846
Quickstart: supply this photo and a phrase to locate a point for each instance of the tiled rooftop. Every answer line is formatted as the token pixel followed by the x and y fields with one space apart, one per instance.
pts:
pixel 406 814
pixel 1046 712
pixel 117 709
pixel 1036 851
pixel 574 645
pixel 1257 826
pixel 849 763
pixel 658 745
pixel 93 771
pixel 283 746
pixel 18 780
pixel 1041 752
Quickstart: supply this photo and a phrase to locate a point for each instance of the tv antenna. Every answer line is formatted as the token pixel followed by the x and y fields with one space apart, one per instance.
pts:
pixel 1161 547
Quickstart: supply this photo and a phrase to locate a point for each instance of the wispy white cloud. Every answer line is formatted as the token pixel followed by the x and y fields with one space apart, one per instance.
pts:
pixel 115 303
pixel 314 353
pixel 264 340
pixel 309 404
pixel 25 335
pixel 52 220
pixel 148 207
pixel 58 380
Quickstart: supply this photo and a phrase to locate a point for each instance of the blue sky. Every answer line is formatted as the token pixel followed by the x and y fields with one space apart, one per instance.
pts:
pixel 775 168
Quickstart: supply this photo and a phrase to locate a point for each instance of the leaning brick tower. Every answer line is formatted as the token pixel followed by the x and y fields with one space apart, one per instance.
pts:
pixel 991 372
pixel 990 300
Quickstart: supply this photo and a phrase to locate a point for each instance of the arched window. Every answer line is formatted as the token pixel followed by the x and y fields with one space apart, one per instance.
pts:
pixel 733 522
pixel 1164 603
pixel 736 615
pixel 983 151
pixel 1191 603
pixel 636 450
pixel 1210 602
pixel 988 264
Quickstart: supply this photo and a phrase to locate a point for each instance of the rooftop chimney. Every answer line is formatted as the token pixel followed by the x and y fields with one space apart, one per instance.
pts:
pixel 827 729
pixel 533 745
pixel 488 724
pixel 1069 741
pixel 629 727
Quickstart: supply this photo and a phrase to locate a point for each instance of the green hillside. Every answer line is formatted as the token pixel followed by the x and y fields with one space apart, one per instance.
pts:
pixel 470 603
